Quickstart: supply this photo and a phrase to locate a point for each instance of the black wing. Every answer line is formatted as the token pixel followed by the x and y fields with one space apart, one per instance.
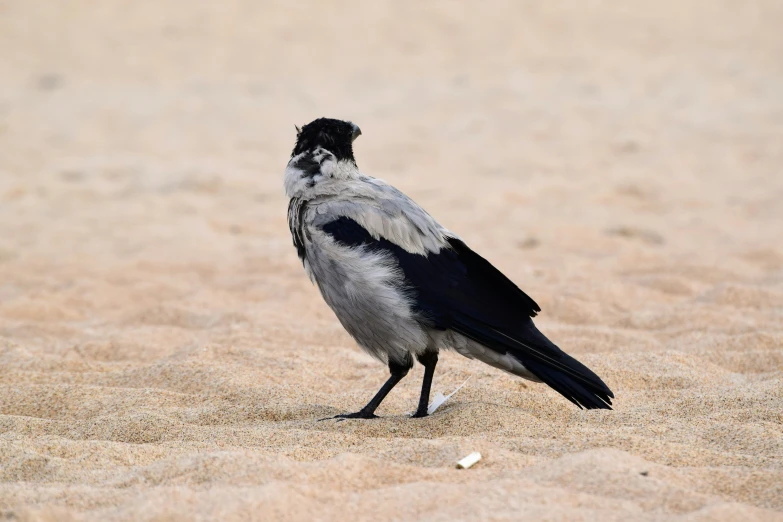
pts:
pixel 458 289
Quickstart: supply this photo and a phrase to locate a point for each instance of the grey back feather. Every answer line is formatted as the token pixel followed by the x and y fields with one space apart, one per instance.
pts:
pixel 339 189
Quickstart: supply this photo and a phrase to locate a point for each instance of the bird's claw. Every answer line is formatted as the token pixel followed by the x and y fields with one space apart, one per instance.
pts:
pixel 420 415
pixel 358 415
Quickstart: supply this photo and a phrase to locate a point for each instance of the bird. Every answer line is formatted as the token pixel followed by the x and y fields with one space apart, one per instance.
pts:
pixel 405 287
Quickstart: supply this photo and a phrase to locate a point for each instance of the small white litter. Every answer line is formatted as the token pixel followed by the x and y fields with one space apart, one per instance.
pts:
pixel 469 460
pixel 439 399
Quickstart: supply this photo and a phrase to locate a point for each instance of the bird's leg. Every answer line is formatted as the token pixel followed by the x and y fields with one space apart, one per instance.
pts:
pixel 429 360
pixel 398 371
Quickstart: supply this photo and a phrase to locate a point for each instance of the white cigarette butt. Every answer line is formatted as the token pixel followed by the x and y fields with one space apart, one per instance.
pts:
pixel 469 460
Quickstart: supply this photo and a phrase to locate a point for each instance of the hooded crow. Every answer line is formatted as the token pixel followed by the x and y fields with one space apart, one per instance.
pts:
pixel 403 286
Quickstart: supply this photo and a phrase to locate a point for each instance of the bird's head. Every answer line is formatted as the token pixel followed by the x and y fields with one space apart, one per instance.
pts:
pixel 336 136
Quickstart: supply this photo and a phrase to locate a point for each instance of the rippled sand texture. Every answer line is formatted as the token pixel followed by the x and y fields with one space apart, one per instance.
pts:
pixel 165 358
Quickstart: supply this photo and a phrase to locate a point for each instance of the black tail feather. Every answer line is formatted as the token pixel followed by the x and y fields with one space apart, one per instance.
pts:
pixel 589 396
pixel 572 379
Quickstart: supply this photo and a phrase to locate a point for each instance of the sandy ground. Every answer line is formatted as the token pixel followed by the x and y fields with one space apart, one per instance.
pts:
pixel 164 356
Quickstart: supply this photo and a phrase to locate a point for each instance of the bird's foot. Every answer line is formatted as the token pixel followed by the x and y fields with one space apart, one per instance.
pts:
pixel 419 414
pixel 361 414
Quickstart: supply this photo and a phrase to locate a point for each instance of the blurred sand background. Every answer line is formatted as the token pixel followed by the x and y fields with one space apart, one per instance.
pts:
pixel 164 356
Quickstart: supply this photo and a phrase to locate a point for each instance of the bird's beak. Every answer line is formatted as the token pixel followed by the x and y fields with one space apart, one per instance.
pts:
pixel 356 132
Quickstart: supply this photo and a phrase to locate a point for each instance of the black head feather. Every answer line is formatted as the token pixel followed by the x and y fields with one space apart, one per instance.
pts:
pixel 336 136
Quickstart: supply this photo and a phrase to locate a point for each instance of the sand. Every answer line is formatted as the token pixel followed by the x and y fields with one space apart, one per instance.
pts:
pixel 164 356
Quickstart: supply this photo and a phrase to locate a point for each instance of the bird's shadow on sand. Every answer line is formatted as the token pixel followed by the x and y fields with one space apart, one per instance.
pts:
pixel 461 418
